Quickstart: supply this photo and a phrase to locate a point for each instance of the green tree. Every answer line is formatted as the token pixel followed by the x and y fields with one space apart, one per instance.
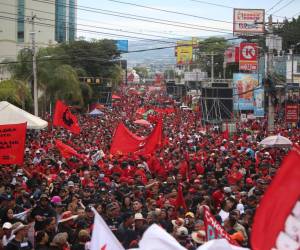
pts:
pixel 16 92
pixel 215 45
pixel 290 33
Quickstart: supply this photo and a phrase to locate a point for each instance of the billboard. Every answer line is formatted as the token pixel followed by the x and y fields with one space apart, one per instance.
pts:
pixel 248 21
pixel 259 102
pixel 122 45
pixel 184 52
pixel 291 113
pixel 248 56
pixel 231 54
pixel 243 89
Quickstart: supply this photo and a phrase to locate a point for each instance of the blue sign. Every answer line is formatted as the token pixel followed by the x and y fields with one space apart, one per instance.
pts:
pixel 243 89
pixel 122 45
pixel 259 101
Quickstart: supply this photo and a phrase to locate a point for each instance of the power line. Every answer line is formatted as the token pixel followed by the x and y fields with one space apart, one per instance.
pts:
pixel 142 18
pixel 287 4
pixel 276 4
pixel 169 11
pixel 89 31
pixel 94 22
pixel 214 4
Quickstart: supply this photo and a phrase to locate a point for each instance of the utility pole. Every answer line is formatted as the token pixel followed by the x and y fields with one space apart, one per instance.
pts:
pixel 269 73
pixel 212 67
pixel 35 89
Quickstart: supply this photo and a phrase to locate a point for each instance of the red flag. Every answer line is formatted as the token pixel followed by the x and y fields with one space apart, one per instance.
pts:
pixel 226 132
pixel 180 202
pixel 153 141
pixel 276 222
pixel 12 143
pixel 66 151
pixel 125 142
pixel 213 228
pixel 64 118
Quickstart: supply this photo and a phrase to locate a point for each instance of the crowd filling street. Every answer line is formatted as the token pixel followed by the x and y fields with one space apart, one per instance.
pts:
pixel 48 202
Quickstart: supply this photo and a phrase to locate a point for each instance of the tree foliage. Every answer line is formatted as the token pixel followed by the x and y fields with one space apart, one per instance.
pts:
pixel 16 92
pixel 141 71
pixel 290 33
pixel 59 68
pixel 216 45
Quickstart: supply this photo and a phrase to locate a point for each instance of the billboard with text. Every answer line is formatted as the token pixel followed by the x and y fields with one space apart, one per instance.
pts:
pixel 248 21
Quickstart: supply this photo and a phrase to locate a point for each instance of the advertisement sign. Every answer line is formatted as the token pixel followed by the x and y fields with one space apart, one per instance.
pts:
pixel 243 88
pixel 231 54
pixel 248 56
pixel 122 45
pixel 248 21
pixel 259 101
pixel 184 52
pixel 291 113
pixel 12 142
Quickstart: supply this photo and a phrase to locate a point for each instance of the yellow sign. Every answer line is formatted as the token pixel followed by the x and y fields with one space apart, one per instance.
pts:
pixel 184 52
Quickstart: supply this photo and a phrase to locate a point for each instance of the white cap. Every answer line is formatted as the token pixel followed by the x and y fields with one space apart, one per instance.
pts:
pixel 138 216
pixel 7 225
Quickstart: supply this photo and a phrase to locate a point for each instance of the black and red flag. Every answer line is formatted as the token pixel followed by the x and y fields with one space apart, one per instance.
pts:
pixel 64 118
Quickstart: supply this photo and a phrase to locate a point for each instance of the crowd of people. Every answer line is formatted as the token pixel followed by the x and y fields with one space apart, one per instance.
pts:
pixel 48 202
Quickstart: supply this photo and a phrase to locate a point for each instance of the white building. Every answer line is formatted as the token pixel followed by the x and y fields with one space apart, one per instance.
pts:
pixel 55 21
pixel 16 26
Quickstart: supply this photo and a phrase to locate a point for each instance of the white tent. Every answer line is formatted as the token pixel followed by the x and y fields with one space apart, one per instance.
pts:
pixel 96 112
pixel 10 114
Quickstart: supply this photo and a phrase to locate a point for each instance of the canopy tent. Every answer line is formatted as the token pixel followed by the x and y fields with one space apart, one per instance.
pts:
pixel 96 112
pixel 10 114
pixel 276 141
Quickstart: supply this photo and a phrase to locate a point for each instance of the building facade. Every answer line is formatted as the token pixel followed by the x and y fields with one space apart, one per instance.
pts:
pixel 65 20
pixel 54 22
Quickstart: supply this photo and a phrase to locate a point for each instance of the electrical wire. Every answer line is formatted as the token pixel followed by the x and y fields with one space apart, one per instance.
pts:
pixel 142 18
pixel 214 4
pixel 170 11
pixel 284 6
pixel 276 4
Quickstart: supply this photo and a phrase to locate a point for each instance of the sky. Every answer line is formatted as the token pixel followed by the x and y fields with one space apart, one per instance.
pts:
pixel 144 35
pixel 91 23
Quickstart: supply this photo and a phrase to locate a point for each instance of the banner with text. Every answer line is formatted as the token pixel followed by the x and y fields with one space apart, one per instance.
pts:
pixel 213 228
pixel 291 113
pixel 12 142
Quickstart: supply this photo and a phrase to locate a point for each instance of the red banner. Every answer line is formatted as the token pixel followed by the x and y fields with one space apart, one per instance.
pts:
pixel 125 142
pixel 291 113
pixel 64 118
pixel 276 222
pixel 12 142
pixel 213 228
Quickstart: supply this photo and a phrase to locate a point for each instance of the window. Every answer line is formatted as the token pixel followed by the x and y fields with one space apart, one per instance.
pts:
pixel 21 17
pixel 60 21
pixel 298 67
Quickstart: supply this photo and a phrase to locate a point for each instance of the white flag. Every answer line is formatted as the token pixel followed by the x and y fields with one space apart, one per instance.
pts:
pixel 156 238
pixel 102 237
pixel 220 244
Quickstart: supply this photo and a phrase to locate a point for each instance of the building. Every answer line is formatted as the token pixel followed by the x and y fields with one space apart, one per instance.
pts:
pixel 54 23
pixel 65 20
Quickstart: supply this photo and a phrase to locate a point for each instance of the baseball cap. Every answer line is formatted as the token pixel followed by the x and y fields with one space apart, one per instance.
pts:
pixel 7 225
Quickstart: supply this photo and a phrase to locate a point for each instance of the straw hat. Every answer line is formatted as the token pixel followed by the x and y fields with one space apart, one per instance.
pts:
pixel 199 236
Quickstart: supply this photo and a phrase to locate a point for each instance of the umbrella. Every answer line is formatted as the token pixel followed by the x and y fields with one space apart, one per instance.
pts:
pixel 142 122
pixel 96 112
pixel 115 97
pixel 276 141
